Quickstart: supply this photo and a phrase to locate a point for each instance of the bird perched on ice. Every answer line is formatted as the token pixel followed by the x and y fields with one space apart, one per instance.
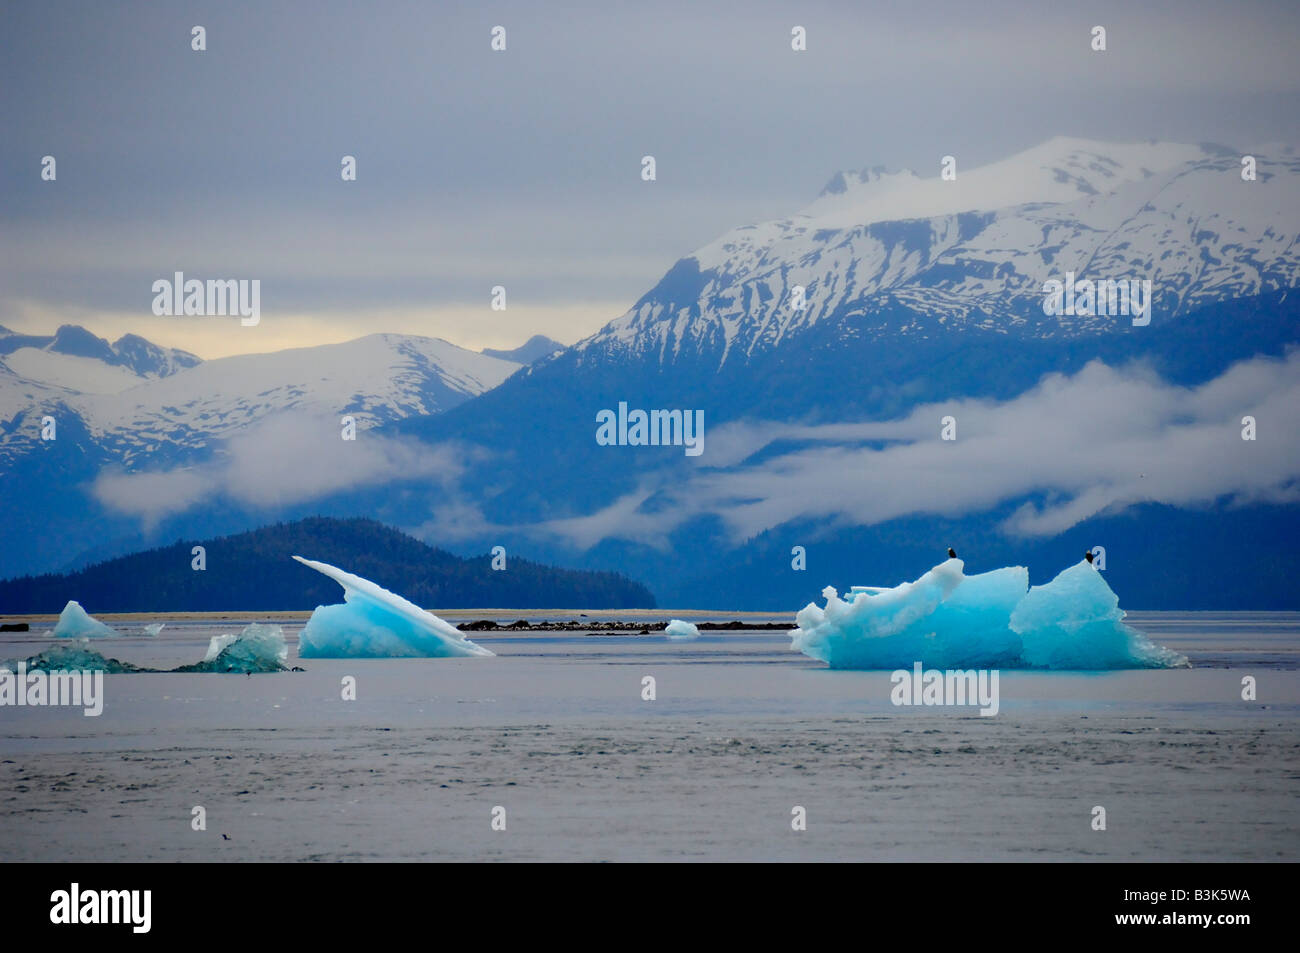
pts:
pixel 952 553
pixel 1088 556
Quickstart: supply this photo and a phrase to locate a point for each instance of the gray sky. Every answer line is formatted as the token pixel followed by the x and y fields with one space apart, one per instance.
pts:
pixel 522 168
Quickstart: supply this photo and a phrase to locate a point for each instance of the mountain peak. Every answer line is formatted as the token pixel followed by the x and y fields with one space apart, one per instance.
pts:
pixel 534 349
pixel 882 253
pixel 148 359
pixel 842 182
pixel 76 341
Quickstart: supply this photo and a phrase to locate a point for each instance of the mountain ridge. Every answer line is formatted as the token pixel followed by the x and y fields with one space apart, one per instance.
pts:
pixel 252 571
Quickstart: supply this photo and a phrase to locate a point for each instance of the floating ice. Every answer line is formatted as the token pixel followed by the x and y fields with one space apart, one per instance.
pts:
pixel 259 648
pixel 218 644
pixel 74 623
pixel 680 631
pixel 949 620
pixel 1075 622
pixel 154 628
pixel 75 657
pixel 375 623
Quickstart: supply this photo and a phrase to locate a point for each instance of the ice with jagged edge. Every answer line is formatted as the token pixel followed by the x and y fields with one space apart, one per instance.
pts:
pixel 372 622
pixel 679 631
pixel 949 620
pixel 75 623
pixel 260 647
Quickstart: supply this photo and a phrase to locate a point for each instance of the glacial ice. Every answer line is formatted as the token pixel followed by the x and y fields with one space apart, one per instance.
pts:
pixel 74 623
pixel 1075 622
pixel 258 648
pixel 154 628
pixel 75 657
pixel 680 631
pixel 375 623
pixel 949 620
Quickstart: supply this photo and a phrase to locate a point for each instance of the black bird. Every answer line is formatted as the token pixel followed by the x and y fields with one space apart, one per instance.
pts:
pixel 1088 556
pixel 952 553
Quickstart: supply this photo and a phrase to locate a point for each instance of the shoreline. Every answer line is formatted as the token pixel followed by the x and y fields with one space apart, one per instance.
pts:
pixel 475 620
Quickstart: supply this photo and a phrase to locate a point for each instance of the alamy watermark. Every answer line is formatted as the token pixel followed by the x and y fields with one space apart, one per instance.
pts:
pixel 655 428
pixel 949 687
pixel 75 905
pixel 52 689
pixel 1127 296
pixel 219 296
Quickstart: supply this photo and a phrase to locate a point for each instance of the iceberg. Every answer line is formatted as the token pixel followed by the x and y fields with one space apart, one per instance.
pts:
pixel 74 623
pixel 154 628
pixel 258 648
pixel 949 620
pixel 680 631
pixel 1075 622
pixel 372 622
pixel 75 657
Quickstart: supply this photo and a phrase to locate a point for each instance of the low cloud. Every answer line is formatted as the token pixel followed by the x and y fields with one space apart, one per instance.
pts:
pixel 1079 446
pixel 1073 447
pixel 283 460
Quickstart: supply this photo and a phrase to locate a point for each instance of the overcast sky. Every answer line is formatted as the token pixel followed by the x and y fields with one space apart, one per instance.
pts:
pixel 522 168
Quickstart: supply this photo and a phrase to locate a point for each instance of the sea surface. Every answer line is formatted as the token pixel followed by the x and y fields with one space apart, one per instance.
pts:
pixel 557 736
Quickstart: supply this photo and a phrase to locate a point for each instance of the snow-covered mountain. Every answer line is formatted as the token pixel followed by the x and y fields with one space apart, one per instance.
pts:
pixel 76 359
pixel 918 290
pixel 893 253
pixel 132 416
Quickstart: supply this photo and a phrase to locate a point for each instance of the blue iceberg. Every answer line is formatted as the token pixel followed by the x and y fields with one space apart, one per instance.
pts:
pixel 259 648
pixel 949 620
pixel 375 623
pixel 74 623
pixel 1075 622
pixel 680 631
pixel 74 657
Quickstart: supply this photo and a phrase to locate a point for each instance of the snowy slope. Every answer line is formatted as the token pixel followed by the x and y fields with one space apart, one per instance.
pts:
pixel 88 375
pixel 1059 170
pixel 896 254
pixel 64 359
pixel 376 378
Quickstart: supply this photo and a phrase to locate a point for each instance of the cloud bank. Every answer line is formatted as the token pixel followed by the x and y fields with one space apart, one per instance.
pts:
pixel 1071 448
pixel 283 460
pixel 1077 446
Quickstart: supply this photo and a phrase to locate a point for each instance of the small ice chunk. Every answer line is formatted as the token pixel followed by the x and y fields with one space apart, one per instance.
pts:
pixel 258 648
pixel 680 631
pixel 153 628
pixel 218 644
pixel 375 623
pixel 73 657
pixel 74 623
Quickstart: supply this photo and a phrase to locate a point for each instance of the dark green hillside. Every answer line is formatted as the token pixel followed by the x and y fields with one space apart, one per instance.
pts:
pixel 253 571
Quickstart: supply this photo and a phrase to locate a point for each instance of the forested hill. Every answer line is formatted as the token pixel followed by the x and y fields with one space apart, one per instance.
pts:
pixel 253 571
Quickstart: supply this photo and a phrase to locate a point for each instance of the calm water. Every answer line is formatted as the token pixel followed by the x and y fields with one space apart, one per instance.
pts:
pixel 557 730
pixel 1269 640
